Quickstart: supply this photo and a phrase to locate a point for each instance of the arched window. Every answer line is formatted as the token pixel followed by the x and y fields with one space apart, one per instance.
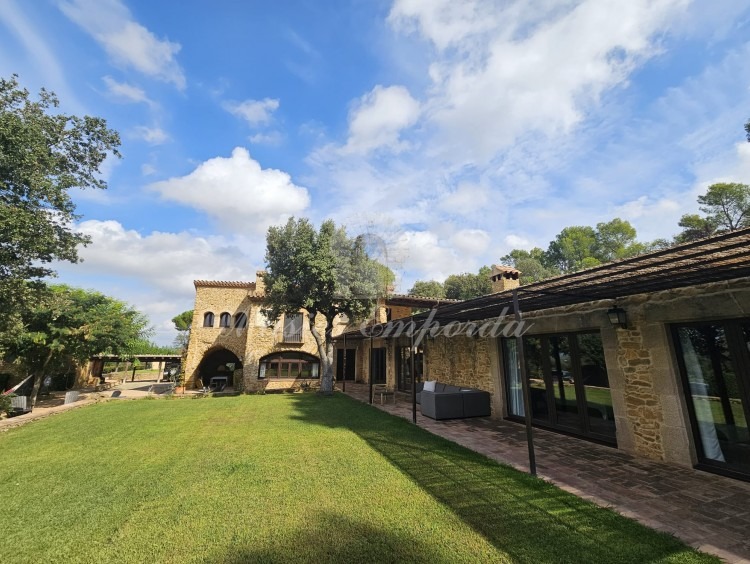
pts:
pixel 224 319
pixel 289 365
pixel 240 321
pixel 208 319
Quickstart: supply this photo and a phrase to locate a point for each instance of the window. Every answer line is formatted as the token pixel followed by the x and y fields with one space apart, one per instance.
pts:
pixel 715 367
pixel 289 365
pixel 568 383
pixel 208 319
pixel 224 319
pixel 293 328
pixel 240 321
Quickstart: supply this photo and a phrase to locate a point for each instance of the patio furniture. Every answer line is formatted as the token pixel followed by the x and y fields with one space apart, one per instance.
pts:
pixel 218 383
pixel 19 406
pixel 71 397
pixel 453 402
pixel 383 392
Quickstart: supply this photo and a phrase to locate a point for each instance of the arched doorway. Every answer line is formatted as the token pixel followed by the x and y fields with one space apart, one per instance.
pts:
pixel 218 363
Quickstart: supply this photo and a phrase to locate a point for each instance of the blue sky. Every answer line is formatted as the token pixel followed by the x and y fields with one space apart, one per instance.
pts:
pixel 453 130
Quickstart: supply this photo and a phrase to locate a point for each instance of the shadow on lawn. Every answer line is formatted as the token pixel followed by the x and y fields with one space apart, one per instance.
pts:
pixel 527 518
pixel 336 538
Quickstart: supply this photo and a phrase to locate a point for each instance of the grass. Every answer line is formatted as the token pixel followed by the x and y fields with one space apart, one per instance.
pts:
pixel 285 478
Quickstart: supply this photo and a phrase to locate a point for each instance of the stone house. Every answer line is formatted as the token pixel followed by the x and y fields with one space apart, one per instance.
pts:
pixel 650 355
pixel 232 342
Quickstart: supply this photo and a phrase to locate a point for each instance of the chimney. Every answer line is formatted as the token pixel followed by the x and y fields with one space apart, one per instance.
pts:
pixel 260 284
pixel 504 278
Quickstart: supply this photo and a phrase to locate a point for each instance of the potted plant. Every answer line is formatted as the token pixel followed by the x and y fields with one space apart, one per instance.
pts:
pixel 179 383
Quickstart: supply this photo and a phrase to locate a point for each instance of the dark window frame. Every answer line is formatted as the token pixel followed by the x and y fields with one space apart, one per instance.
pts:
pixel 225 320
pixel 552 423
pixel 740 358
pixel 209 319
pixel 296 335
pixel 288 359
pixel 240 320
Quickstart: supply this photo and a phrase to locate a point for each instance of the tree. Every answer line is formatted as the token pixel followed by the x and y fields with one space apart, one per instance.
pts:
pixel 616 239
pixel 573 249
pixel 694 227
pixel 427 289
pixel 747 130
pixel 326 273
pixel 70 325
pixel 727 205
pixel 43 154
pixel 466 286
pixel 182 323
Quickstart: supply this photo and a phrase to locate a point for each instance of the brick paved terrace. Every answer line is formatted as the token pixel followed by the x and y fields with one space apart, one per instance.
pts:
pixel 706 511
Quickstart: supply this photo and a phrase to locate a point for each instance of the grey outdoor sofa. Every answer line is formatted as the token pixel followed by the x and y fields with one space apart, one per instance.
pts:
pixel 453 402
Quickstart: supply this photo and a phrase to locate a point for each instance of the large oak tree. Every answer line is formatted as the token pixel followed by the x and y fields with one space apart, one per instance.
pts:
pixel 324 272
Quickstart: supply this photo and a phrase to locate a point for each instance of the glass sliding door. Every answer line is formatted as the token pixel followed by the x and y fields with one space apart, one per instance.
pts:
pixel 513 384
pixel 595 383
pixel 377 357
pixel 714 364
pixel 563 383
pixel 535 372
pixel 568 383
pixel 403 367
pixel 351 361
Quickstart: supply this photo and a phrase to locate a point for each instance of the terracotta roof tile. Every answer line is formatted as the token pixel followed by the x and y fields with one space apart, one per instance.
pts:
pixel 223 284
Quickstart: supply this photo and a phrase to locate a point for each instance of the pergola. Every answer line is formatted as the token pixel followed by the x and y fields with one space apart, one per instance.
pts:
pixel 162 359
pixel 719 258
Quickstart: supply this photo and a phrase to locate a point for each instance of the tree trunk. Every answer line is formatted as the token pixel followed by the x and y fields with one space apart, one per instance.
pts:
pixel 38 379
pixel 325 351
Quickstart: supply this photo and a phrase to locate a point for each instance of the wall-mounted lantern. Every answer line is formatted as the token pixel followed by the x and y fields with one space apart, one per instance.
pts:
pixel 618 317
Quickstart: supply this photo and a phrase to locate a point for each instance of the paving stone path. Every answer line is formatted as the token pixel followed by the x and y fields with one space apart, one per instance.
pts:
pixel 706 511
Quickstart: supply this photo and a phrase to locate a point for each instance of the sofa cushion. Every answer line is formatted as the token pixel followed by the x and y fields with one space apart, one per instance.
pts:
pixel 429 386
pixel 439 387
pixel 449 388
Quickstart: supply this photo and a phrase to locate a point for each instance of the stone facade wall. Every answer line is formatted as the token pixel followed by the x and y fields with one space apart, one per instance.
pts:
pixel 206 339
pixel 249 344
pixel 643 408
pixel 460 361
pixel 649 402
pixel 399 312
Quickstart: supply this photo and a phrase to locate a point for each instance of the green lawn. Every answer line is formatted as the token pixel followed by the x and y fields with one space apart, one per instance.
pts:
pixel 278 478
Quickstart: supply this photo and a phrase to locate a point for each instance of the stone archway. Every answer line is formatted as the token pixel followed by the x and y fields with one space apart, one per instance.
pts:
pixel 218 362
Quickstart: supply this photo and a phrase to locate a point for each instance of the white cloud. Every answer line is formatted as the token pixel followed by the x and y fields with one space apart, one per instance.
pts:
pixel 378 118
pixel 466 199
pixel 127 42
pixel 503 71
pixel 514 241
pixel 151 135
pixel 167 261
pixel 273 138
pixel 470 242
pixel 126 92
pixel 148 169
pixel 254 112
pixel 155 271
pixel 237 192
pixel 41 56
